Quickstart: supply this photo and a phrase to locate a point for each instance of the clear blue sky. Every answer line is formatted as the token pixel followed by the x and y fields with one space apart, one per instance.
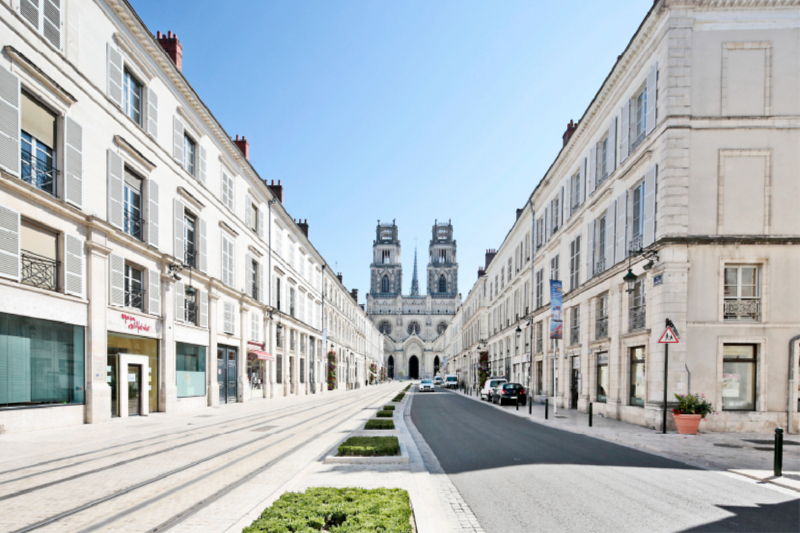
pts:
pixel 413 110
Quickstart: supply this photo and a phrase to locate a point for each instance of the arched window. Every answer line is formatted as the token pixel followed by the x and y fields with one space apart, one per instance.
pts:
pixel 441 327
pixel 385 284
pixel 385 327
pixel 442 283
pixel 413 328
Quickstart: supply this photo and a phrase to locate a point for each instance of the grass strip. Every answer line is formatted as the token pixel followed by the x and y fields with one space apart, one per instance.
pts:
pixel 379 424
pixel 388 407
pixel 348 510
pixel 385 414
pixel 369 447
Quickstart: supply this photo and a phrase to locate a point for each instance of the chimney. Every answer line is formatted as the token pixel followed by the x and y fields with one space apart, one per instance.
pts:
pixel 172 46
pixel 354 294
pixel 519 213
pixel 243 145
pixel 303 225
pixel 481 272
pixel 489 256
pixel 277 190
pixel 571 127
pixel 339 277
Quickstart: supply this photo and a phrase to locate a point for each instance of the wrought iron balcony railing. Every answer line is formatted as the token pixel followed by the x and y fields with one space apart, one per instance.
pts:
pixel 742 309
pixel 600 266
pixel 601 327
pixel 190 256
pixel 133 224
pixel 134 297
pixel 636 142
pixel 39 173
pixel 574 336
pixel 254 293
pixel 636 243
pixel 39 271
pixel 191 312
pixel 637 318
pixel 601 178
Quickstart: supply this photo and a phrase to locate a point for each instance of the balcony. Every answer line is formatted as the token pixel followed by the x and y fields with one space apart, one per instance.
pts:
pixel 191 312
pixel 601 328
pixel 637 318
pixel 134 297
pixel 601 178
pixel 636 244
pixel 600 266
pixel 254 292
pixel 39 271
pixel 742 309
pixel 190 255
pixel 133 225
pixel 636 142
pixel 39 173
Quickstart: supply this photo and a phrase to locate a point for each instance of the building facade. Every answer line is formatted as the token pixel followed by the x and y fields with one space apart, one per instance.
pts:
pixel 145 266
pixel 683 172
pixel 413 325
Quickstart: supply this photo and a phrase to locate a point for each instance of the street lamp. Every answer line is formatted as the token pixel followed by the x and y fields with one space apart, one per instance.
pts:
pixel 630 279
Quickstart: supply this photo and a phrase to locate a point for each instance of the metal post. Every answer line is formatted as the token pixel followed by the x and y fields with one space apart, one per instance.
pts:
pixel 590 414
pixel 666 367
pixel 546 407
pixel 530 404
pixel 517 401
pixel 778 467
pixel 555 380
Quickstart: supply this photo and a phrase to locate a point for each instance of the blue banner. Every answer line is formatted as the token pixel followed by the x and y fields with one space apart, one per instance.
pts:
pixel 556 314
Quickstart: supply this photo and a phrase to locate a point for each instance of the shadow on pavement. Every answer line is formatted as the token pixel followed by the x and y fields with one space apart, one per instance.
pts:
pixel 762 518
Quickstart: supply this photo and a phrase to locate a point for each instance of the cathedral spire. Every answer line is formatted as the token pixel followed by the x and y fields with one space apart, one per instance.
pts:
pixel 414 280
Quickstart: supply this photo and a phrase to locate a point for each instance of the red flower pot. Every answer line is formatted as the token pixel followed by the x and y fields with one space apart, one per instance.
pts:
pixel 687 424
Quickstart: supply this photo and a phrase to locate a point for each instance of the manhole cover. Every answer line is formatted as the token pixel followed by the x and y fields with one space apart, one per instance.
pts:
pixel 265 428
pixel 723 445
pixel 771 442
pixel 763 449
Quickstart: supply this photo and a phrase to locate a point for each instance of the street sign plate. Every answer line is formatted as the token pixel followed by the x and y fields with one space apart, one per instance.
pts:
pixel 668 337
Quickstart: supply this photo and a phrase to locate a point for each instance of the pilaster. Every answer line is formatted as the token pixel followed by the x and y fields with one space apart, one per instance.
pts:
pixel 211 359
pixel 98 393
pixel 243 385
pixel 167 387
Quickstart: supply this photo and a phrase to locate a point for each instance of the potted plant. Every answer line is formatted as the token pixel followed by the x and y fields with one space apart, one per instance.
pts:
pixel 331 370
pixel 690 411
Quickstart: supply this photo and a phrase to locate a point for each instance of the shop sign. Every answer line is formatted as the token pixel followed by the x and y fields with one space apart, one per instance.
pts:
pixel 134 323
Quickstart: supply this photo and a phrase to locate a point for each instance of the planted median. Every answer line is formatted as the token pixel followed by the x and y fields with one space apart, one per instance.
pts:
pixel 369 447
pixel 379 424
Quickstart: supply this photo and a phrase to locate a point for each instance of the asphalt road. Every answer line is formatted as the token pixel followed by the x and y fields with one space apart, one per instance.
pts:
pixel 519 476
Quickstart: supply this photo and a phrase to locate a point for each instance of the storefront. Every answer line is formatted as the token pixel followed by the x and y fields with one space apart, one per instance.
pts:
pixel 190 361
pixel 258 369
pixel 226 374
pixel 132 374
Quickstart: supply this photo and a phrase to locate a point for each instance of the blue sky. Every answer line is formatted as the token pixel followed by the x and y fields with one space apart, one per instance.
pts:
pixel 413 110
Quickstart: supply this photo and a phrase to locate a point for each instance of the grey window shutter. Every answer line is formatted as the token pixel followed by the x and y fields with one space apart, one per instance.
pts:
pixel 249 269
pixel 10 120
pixel 179 246
pixel 152 112
pixel 568 197
pixel 152 213
pixel 229 319
pixel 154 292
pixel 177 140
pixel 621 228
pixel 561 207
pixel 254 326
pixel 73 265
pixel 650 115
pixel 533 237
pixel 180 301
pixel 546 225
pixel 201 174
pixel 51 23
pixel 30 10
pixel 202 245
pixel 262 284
pixel 611 161
pixel 582 181
pixel 116 179
pixel 248 214
pixel 611 218
pixel 203 308
pixel 590 253
pixel 73 163
pixel 590 182
pixel 115 68
pixel 9 243
pixel 649 206
pixel 624 131
pixel 116 280
pixel 261 211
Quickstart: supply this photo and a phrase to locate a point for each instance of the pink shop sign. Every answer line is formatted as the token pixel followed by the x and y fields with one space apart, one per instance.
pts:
pixel 133 323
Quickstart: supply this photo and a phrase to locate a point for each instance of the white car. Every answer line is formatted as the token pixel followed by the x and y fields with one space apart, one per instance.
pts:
pixel 437 380
pixel 426 385
pixel 451 381
pixel 491 383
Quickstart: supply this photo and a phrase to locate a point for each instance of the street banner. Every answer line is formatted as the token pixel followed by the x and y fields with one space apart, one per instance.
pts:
pixel 556 315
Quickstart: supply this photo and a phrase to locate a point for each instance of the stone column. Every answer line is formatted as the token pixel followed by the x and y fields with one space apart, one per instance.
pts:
pixel 98 393
pixel 241 368
pixel 211 359
pixel 617 386
pixel 167 388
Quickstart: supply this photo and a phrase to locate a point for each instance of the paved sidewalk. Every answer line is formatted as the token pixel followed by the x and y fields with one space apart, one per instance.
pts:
pixel 748 454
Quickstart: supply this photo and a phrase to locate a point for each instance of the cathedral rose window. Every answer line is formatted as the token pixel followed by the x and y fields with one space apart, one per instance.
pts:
pixel 413 328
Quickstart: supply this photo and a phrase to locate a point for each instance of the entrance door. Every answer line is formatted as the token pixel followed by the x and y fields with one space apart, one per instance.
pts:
pixel 573 403
pixel 134 388
pixel 112 377
pixel 226 374
pixel 436 366
pixel 390 371
pixel 222 375
pixel 413 367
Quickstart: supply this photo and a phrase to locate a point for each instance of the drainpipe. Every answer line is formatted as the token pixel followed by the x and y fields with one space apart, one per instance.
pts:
pixel 791 382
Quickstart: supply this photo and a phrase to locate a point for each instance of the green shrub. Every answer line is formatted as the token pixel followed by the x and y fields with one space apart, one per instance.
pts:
pixel 385 414
pixel 398 398
pixel 369 446
pixel 388 407
pixel 379 424
pixel 349 510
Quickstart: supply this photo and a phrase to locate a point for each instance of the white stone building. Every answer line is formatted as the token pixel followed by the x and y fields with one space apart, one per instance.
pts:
pixel 683 169
pixel 138 245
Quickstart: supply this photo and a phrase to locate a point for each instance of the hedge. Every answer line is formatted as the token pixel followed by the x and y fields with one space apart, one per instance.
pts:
pixel 385 414
pixel 348 510
pixel 379 424
pixel 369 446
pixel 398 398
pixel 388 407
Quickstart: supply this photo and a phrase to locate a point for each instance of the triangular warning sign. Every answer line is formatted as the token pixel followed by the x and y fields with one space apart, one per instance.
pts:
pixel 668 337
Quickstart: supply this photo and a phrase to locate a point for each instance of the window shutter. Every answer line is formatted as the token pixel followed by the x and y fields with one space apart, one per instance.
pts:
pixel 624 131
pixel 567 189
pixel 10 121
pixel 152 112
pixel 561 208
pixel 115 68
pixel 546 225
pixel 116 280
pixel 611 214
pixel 262 283
pixel 249 269
pixel 30 9
pixel 203 308
pixel 261 211
pixel 154 292
pixel 254 326
pixel 51 23
pixel 116 177
pixel 611 161
pixel 178 246
pixel 590 183
pixel 202 245
pixel 177 140
pixel 649 206
pixel 227 275
pixel 73 163
pixel 590 249
pixel 9 243
pixel 248 212
pixel 201 175
pixel 73 265
pixel 180 301
pixel 620 228
pixel 152 213
pixel 229 319
pixel 535 222
pixel 650 115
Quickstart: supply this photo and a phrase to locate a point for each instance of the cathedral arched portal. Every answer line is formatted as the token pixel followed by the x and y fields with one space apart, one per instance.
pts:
pixel 391 367
pixel 413 367
pixel 435 365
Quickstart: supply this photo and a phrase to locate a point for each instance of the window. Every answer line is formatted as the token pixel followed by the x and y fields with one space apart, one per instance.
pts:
pixel 386 256
pixel 742 293
pixel 39 256
pixel 600 264
pixel 291 301
pixel 302 343
pixel 190 240
pixel 739 377
pixel 255 280
pixel 190 305
pixel 575 191
pixel 385 284
pixel 278 293
pixel 554 218
pixel 134 287
pixel 638 124
pixel 539 288
pixel 227 261
pixel 132 97
pixel 189 154
pixel 279 367
pixel 602 161
pixel 539 377
pixel 575 263
pixel 292 340
pixel 554 268
pixel 385 327
pixel 413 328
pixel 540 233
pixel 279 338
pixel 601 326
pixel 254 217
pixel 637 376
pixel 637 216
pixel 575 325
pixel 442 283
pixel 191 369
pixel 132 205
pixel 38 144
pixel 602 376
pixel 539 337
pixel 637 308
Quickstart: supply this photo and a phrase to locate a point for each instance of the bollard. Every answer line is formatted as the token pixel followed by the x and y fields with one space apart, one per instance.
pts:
pixel 546 405
pixel 530 405
pixel 517 401
pixel 590 414
pixel 778 452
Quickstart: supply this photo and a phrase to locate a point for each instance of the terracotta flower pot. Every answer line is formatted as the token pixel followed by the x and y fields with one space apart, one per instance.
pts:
pixel 687 424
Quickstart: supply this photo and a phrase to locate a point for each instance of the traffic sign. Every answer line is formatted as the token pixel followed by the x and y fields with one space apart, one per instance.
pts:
pixel 668 337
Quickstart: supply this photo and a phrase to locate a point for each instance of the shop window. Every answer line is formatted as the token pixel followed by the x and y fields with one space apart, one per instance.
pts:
pixel 539 373
pixel 133 222
pixel 38 145
pixel 637 376
pixel 39 256
pixel 602 376
pixel 739 377
pixel 41 362
pixel 191 369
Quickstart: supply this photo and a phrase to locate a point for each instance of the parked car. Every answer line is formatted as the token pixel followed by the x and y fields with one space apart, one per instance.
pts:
pixel 437 380
pixel 509 392
pixel 426 385
pixel 451 381
pixel 491 383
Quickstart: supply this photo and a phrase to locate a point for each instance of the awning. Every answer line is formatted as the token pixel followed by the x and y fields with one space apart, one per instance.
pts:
pixel 262 355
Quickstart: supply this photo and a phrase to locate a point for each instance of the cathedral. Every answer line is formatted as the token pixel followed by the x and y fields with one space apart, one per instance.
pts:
pixel 413 325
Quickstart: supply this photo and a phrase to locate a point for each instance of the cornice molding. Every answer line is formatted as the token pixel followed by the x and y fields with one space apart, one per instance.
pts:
pixel 29 66
pixel 133 153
